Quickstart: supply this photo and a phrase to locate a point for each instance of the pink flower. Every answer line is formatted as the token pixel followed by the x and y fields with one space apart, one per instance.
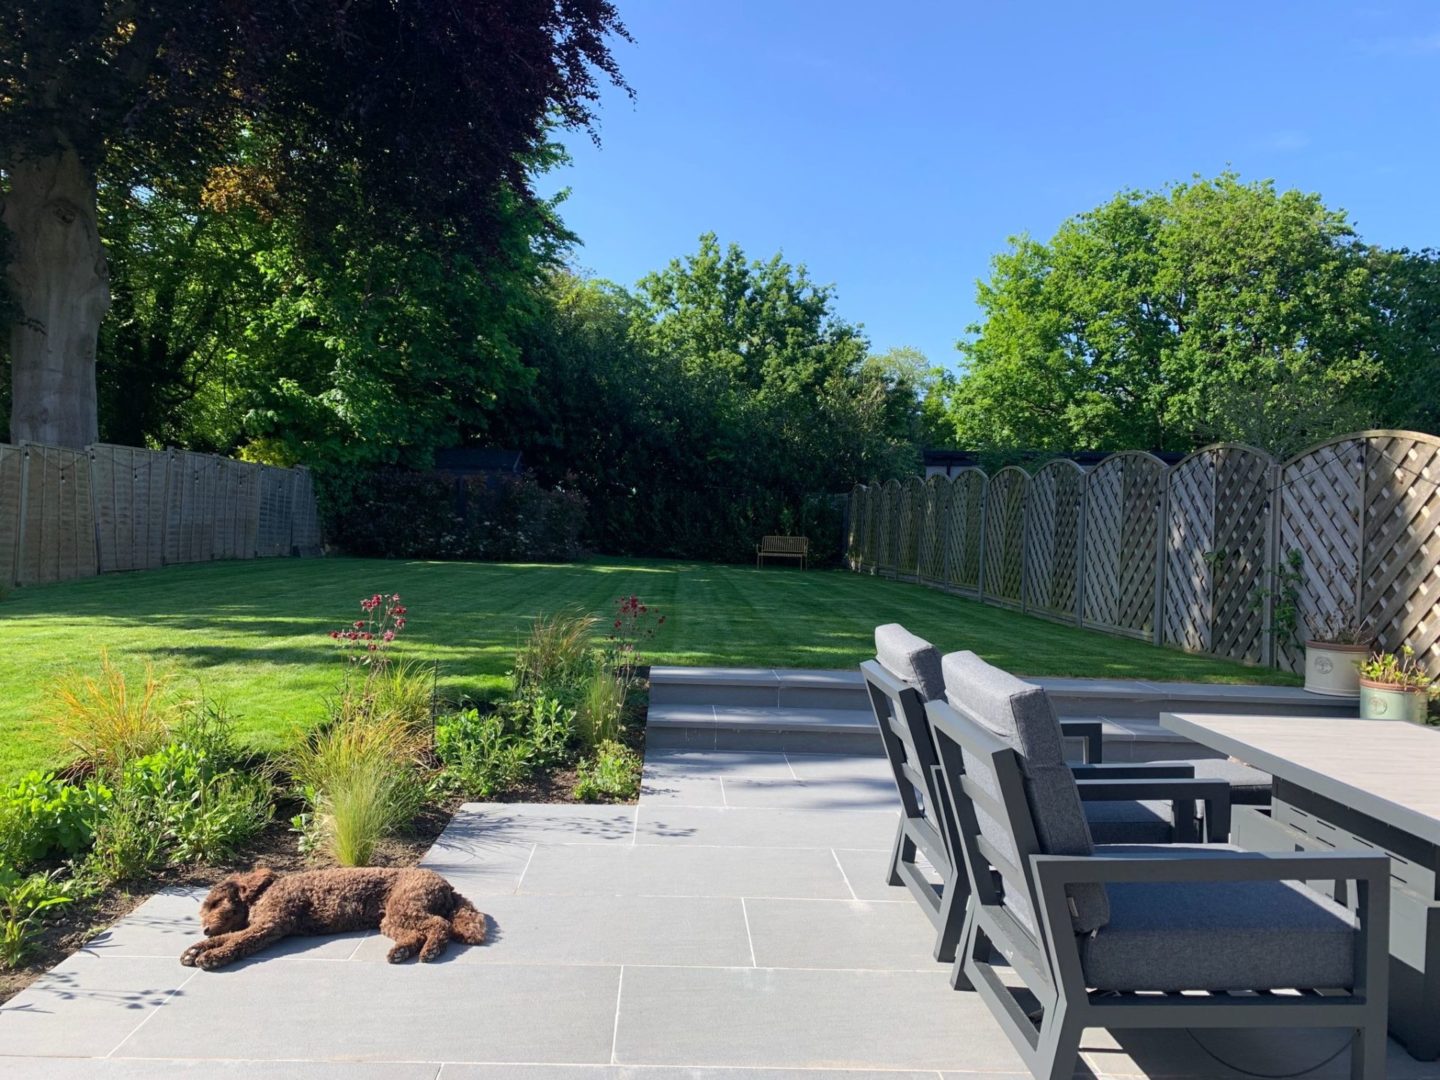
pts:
pixel 389 635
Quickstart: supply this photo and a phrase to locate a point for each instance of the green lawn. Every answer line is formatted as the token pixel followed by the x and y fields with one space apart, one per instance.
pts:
pixel 254 633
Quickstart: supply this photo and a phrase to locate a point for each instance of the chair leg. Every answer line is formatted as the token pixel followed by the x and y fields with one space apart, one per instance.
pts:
pixel 1059 1044
pixel 1367 1054
pixel 954 914
pixel 902 851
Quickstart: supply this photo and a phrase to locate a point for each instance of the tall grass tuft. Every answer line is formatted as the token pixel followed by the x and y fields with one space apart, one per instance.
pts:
pixel 359 774
pixel 108 719
pixel 558 654
pixel 602 704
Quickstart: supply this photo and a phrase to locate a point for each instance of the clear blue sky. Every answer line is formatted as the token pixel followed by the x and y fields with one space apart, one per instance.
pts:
pixel 894 147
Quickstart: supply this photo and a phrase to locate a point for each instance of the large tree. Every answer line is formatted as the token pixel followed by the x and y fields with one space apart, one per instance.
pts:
pixel 1213 310
pixel 407 120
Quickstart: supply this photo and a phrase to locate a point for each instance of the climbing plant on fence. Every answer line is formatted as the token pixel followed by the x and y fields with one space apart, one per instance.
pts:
pixel 1187 555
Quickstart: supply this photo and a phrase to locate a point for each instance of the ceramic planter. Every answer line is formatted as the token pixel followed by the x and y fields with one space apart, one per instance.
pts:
pixel 1334 670
pixel 1386 701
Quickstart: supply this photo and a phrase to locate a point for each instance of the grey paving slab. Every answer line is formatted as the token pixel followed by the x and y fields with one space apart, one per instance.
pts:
pixel 86 1006
pixel 714 675
pixel 844 678
pixel 683 791
pixel 168 922
pixel 161 1069
pixel 765 828
pixel 680 870
pixel 712 763
pixel 704 931
pixel 845 795
pixel 864 767
pixel 310 1009
pixel 780 1018
pixel 794 719
pixel 478 828
pixel 561 1072
pixel 840 934
pixel 868 872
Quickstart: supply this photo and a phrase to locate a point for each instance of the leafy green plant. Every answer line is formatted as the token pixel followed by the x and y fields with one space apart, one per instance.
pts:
pixel 127 845
pixel 481 755
pixel 612 775
pixel 602 704
pixel 547 726
pixel 23 904
pixel 557 655
pixel 1284 590
pixel 1400 670
pixel 108 719
pixel 43 817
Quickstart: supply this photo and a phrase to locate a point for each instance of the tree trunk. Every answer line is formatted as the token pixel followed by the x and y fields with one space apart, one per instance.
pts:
pixel 62 287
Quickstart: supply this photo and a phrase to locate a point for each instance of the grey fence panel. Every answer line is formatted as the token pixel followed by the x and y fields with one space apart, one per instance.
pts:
pixel 129 487
pixel 964 540
pixel 12 469
pixel 57 516
pixel 912 520
pixel 277 495
pixel 887 559
pixel 936 508
pixel 1053 539
pixel 1004 536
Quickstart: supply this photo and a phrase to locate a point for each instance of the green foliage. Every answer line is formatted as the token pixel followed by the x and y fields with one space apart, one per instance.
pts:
pixel 23 904
pixel 602 706
pixel 43 818
pixel 482 757
pixel 113 717
pixel 557 656
pixel 1214 310
pixel 612 775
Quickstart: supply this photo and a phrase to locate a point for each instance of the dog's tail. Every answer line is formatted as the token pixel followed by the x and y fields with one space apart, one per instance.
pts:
pixel 467 924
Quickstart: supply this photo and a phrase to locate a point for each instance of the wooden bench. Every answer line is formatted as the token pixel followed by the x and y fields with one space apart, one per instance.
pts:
pixel 782 547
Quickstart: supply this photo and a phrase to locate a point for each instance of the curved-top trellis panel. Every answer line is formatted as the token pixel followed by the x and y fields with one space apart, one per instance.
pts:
pixel 1124 503
pixel 964 530
pixel 870 524
pixel 932 529
pixel 888 556
pixel 854 526
pixel 912 510
pixel 1052 539
pixel 1217 528
pixel 1005 536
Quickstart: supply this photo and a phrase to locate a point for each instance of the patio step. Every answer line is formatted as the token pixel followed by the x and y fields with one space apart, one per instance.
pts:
pixel 748 727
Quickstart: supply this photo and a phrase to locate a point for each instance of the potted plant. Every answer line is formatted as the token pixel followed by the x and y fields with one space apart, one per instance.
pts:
pixel 1393 686
pixel 1338 643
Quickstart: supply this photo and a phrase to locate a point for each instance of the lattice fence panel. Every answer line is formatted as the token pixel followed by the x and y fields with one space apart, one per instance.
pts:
pixel 129 487
pixel 1124 501
pixel 932 530
pixel 1005 536
pixel 1052 539
pixel 12 468
pixel 1400 580
pixel 964 531
pixel 1321 505
pixel 1104 503
pixel 1244 508
pixel 870 526
pixel 855 526
pixel 1189 541
pixel 888 553
pixel 912 512
pixel 57 517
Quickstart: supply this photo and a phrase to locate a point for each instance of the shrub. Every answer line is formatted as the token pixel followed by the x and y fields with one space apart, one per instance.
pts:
pixel 44 818
pixel 612 775
pixel 557 657
pixel 23 904
pixel 109 721
pixel 481 757
pixel 602 704
pixel 358 774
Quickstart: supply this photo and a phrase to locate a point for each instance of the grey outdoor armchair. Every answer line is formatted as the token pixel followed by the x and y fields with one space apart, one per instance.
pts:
pixel 1136 937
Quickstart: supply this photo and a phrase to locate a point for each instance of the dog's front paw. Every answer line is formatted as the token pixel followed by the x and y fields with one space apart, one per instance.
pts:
pixel 211 959
pixel 400 953
pixel 191 955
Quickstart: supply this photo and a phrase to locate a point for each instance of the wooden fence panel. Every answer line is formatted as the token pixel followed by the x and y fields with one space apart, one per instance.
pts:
pixel 1244 522
pixel 870 524
pixel 912 512
pixel 1400 584
pixel 1005 536
pixel 964 540
pixel 1124 503
pixel 129 486
pixel 932 530
pixel 1052 539
pixel 12 468
pixel 854 526
pixel 1189 533
pixel 57 519
pixel 1321 505
pixel 277 497
pixel 190 516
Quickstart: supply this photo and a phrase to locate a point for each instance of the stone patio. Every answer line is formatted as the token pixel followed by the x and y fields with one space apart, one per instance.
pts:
pixel 734 924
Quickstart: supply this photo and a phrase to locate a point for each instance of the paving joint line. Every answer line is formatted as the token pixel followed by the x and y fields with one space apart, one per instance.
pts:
pixel 745 911
pixel 615 1031
pixel 521 879
pixel 841 867
pixel 146 1019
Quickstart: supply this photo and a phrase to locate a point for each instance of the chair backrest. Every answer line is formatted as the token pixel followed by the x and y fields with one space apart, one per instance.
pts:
pixel 785 545
pixel 1018 715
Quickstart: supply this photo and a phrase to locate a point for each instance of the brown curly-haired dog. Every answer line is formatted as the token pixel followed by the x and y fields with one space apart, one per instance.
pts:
pixel 415 908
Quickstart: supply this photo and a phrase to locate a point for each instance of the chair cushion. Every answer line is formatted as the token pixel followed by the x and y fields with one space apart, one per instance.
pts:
pixel 1021 715
pixel 910 658
pixel 1130 822
pixel 1250 935
pixel 1248 785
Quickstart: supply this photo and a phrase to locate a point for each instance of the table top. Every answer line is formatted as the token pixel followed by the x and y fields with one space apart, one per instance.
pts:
pixel 1388 769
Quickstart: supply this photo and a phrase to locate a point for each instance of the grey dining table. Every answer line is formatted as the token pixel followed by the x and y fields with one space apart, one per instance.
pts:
pixel 1349 784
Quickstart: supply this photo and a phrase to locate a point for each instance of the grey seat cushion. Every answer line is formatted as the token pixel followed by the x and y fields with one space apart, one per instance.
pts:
pixel 1021 715
pixel 1248 785
pixel 1218 935
pixel 1130 822
pixel 910 658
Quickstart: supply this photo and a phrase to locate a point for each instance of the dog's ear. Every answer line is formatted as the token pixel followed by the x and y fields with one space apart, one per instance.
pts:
pixel 251 885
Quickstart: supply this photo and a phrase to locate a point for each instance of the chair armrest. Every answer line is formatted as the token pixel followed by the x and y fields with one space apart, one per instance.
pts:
pixel 1140 770
pixel 1092 731
pixel 1215 794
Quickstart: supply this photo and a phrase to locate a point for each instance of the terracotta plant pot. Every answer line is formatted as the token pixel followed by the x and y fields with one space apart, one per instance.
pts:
pixel 1332 669
pixel 1386 701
